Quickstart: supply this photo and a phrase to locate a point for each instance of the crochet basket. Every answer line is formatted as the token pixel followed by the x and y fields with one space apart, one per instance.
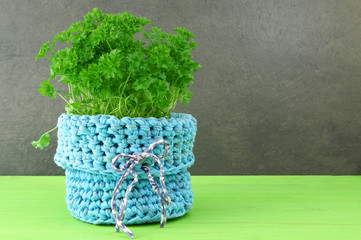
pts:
pixel 87 145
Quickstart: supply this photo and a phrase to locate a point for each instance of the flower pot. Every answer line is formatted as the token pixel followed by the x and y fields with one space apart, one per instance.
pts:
pixel 86 147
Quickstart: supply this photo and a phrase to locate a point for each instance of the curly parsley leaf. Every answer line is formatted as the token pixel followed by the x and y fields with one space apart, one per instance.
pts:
pixel 47 89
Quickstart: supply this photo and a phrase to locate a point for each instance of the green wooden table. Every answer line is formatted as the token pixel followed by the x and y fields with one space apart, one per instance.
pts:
pixel 225 207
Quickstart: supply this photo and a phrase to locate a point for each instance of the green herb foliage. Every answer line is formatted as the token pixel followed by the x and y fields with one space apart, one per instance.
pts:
pixel 111 70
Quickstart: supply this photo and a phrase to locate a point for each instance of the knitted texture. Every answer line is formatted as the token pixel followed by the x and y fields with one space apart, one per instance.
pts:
pixel 89 196
pixel 87 145
pixel 91 142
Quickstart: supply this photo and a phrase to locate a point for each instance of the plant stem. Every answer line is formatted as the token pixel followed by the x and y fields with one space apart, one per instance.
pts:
pixel 126 83
pixel 109 45
pixel 51 130
pixel 63 98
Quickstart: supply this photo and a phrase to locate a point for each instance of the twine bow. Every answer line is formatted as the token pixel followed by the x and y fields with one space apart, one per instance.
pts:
pixel 133 160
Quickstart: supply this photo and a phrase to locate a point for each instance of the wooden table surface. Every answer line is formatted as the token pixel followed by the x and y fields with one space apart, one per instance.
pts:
pixel 225 207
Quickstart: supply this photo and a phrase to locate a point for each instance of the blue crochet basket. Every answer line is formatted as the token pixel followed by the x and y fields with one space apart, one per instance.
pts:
pixel 87 145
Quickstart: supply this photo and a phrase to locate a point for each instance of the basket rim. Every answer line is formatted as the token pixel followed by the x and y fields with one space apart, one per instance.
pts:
pixel 81 122
pixel 177 116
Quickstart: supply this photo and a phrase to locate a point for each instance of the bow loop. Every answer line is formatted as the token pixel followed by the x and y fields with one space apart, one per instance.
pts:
pixel 155 143
pixel 123 155
pixel 130 167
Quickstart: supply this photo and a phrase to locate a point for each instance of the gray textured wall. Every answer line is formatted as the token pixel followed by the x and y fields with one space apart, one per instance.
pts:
pixel 279 91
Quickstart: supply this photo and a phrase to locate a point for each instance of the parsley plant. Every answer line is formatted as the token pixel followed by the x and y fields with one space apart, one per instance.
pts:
pixel 109 71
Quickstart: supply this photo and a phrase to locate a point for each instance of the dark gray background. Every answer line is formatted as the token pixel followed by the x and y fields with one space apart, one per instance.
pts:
pixel 279 91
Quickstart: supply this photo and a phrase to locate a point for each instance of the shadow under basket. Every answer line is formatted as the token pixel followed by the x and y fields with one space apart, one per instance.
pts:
pixel 86 147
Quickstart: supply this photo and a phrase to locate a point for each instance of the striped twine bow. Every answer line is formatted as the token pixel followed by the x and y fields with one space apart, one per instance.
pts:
pixel 134 159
